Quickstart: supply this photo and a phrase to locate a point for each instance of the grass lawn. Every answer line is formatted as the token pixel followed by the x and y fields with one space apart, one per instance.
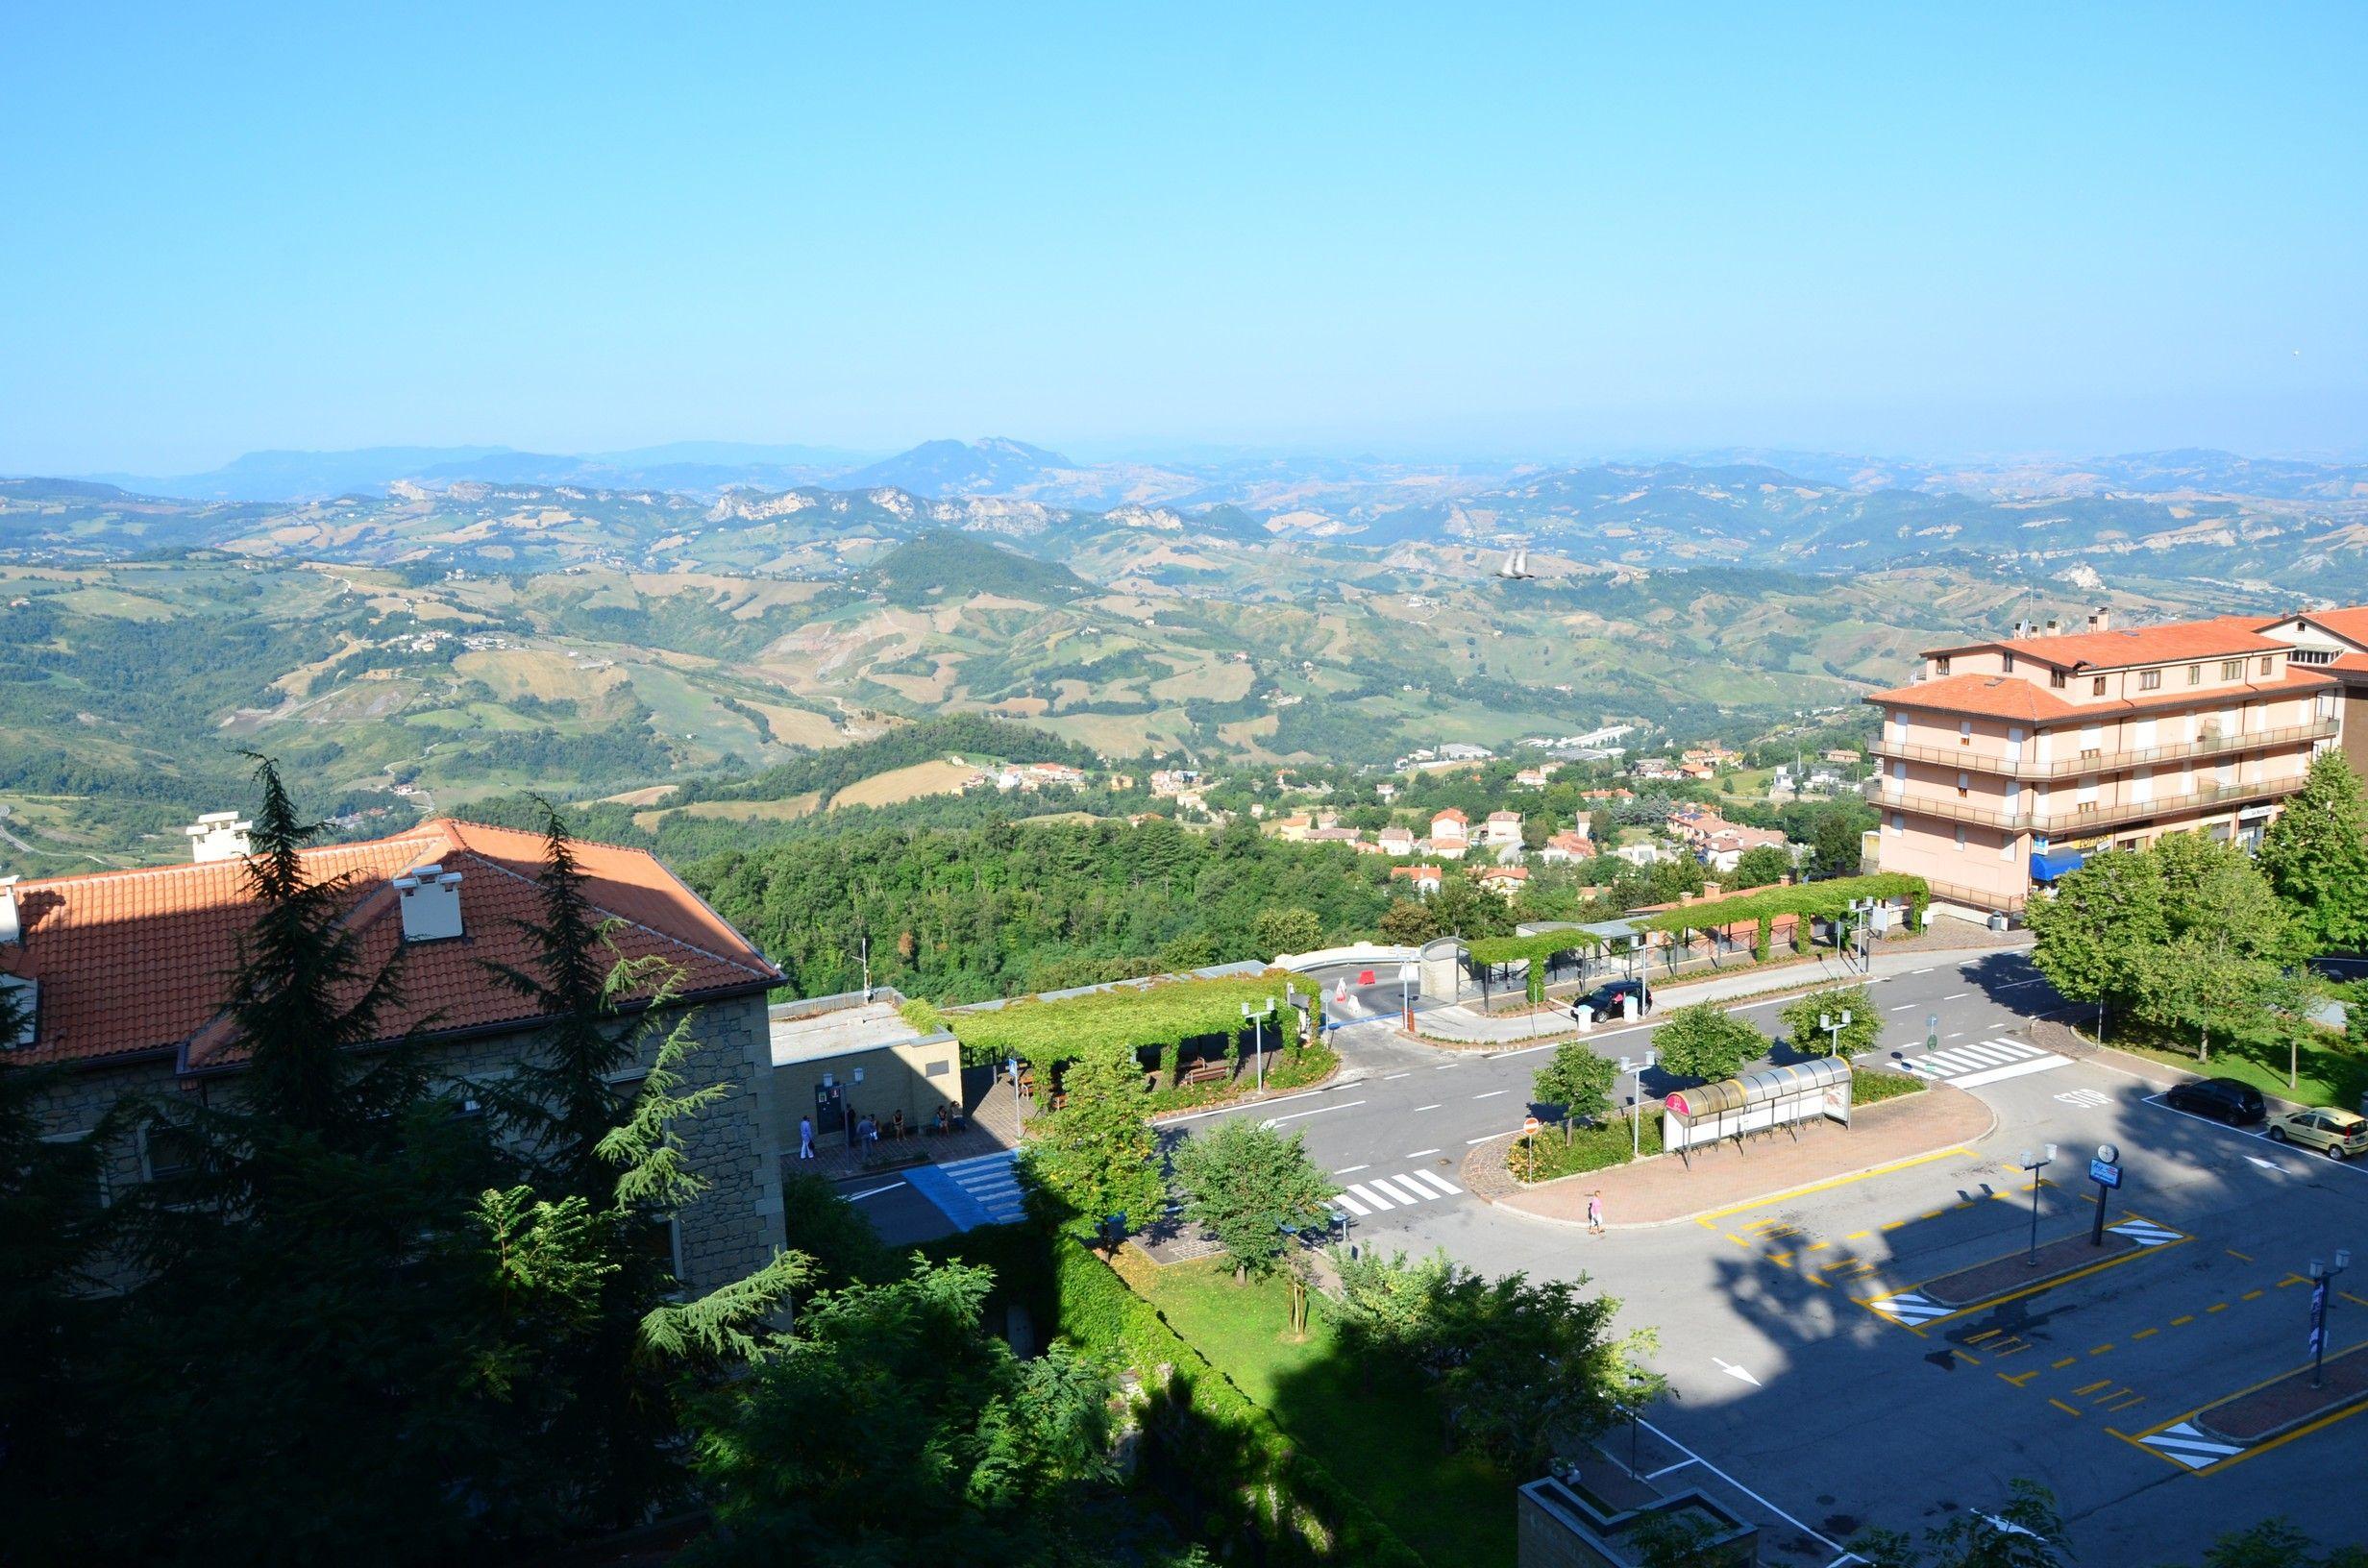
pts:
pixel 1382 1442
pixel 2327 1076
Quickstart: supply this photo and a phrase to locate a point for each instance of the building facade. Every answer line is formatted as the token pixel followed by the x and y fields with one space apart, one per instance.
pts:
pixel 2003 763
pixel 127 973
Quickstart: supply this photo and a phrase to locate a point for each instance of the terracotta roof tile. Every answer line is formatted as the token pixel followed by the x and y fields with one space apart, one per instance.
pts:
pixel 2221 636
pixel 140 961
pixel 2010 697
pixel 2350 623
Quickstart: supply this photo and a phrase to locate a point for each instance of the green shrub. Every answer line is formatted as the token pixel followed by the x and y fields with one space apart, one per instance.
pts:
pixel 1867 1088
pixel 1599 1147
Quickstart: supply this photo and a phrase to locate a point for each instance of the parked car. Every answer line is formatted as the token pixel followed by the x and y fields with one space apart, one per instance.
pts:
pixel 1606 1000
pixel 2223 1099
pixel 2340 1132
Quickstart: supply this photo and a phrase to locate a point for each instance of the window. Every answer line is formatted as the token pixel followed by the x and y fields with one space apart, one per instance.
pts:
pixel 2269 664
pixel 2311 655
pixel 168 1153
pixel 2056 678
pixel 1940 664
pixel 1960 837
pixel 2150 680
pixel 2008 666
pixel 2195 674
pixel 1899 823
pixel 2232 669
pixel 2096 687
pixel 658 1239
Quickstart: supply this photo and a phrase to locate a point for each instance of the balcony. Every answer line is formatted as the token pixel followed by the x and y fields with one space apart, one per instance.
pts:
pixel 2104 759
pixel 2072 817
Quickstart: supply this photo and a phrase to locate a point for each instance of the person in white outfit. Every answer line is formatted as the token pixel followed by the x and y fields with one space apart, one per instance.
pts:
pixel 805 1137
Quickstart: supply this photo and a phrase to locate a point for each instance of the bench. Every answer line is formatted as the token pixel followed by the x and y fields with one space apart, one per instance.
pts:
pixel 1206 1073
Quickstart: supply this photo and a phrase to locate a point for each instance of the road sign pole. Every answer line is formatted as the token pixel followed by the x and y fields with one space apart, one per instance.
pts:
pixel 2105 1170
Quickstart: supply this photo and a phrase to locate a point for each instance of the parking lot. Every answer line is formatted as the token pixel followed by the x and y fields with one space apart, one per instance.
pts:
pixel 1874 1350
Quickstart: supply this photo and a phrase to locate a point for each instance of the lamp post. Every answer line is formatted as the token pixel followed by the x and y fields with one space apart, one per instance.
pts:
pixel 1258 1037
pixel 1833 1028
pixel 2032 1166
pixel 1406 994
pixel 1636 1102
pixel 2322 1297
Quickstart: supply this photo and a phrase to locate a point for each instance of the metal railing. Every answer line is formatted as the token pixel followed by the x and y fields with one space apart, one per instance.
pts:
pixel 2080 817
pixel 2103 759
pixel 1955 893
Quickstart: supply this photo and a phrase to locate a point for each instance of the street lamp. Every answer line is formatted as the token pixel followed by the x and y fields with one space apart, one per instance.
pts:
pixel 1258 1037
pixel 2032 1166
pixel 1833 1026
pixel 2322 1297
pixel 1636 1102
pixel 1406 994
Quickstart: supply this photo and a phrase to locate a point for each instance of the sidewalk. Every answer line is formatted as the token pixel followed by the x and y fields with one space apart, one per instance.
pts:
pixel 1662 1189
pixel 1458 1027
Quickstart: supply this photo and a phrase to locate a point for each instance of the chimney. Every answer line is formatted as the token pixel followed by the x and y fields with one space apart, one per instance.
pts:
pixel 430 903
pixel 12 926
pixel 1709 889
pixel 2054 625
pixel 219 835
pixel 2101 619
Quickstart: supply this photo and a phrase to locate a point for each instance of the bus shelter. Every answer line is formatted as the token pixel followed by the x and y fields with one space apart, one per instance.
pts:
pixel 1757 1102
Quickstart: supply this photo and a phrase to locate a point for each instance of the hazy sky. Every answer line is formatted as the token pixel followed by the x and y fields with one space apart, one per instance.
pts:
pixel 1556 230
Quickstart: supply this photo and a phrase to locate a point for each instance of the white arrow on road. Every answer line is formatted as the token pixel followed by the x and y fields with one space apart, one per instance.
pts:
pixel 2266 1164
pixel 1734 1371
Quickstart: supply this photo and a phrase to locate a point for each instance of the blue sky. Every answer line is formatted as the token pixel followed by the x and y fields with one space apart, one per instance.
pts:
pixel 1552 230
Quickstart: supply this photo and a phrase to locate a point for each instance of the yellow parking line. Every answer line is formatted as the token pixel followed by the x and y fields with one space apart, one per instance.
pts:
pixel 2278 1442
pixel 1814 1245
pixel 1968 1360
pixel 2183 1322
pixel 2145 1333
pixel 2099 1350
pixel 1985 1334
pixel 2253 1295
pixel 2061 1406
pixel 2241 1257
pixel 2018 1379
pixel 2101 1383
pixel 2058 1366
pixel 2217 1307
pixel 1857 1236
pixel 1838 1181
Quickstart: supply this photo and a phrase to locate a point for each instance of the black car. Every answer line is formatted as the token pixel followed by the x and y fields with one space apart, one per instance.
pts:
pixel 2223 1099
pixel 1607 1000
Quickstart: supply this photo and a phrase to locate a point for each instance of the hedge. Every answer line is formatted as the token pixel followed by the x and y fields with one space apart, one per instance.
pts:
pixel 1761 905
pixel 1867 1088
pixel 1126 1017
pixel 1598 1146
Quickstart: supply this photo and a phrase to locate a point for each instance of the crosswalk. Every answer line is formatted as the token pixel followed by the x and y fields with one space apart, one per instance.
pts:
pixel 1990 1062
pixel 1379 1194
pixel 2146 1233
pixel 2185 1443
pixel 973 1193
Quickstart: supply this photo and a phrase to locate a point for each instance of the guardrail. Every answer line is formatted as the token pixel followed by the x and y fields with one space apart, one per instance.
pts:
pixel 2078 817
pixel 2103 759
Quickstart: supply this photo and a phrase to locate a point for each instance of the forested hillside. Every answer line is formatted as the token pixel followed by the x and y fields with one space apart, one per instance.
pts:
pixel 963 915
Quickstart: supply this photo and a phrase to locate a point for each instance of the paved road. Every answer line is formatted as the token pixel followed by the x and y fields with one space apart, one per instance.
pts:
pixel 1402 1108
pixel 1816 1387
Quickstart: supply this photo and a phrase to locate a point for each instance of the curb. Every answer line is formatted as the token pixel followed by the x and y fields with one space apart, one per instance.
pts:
pixel 2202 1420
pixel 2026 1283
pixel 1492 1145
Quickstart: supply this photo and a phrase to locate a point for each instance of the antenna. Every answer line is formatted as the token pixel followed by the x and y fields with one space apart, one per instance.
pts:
pixel 865 940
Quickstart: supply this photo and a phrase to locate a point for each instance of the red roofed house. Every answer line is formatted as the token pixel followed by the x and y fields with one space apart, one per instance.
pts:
pixel 127 972
pixel 1451 833
pixel 1505 881
pixel 1428 879
pixel 2003 762
pixel 1568 847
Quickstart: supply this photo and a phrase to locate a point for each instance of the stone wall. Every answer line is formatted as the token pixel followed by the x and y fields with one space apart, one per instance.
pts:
pixel 730 1231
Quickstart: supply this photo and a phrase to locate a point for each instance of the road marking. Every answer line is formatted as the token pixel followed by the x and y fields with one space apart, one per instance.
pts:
pixel 1907 1307
pixel 1903 1007
pixel 1444 1066
pixel 1957 996
pixel 1351 1170
pixel 2099 1350
pixel 1419 1154
pixel 2086 1099
pixel 2183 1322
pixel 1348 1203
pixel 2146 1233
pixel 2018 1379
pixel 1419 1109
pixel 2238 1256
pixel 1393 1077
pixel 2090 1388
pixel 1384 1184
pixel 1671 1469
pixel 1318 1112
pixel 1492 1093
pixel 1734 1371
pixel 2061 1406
pixel 2058 1366
pixel 2253 1295
pixel 1919 972
pixel 1830 1182
pixel 873 1192
pixel 2144 1333
pixel 2184 1445
pixel 1375 1198
pixel 1447 1187
pixel 1474 1142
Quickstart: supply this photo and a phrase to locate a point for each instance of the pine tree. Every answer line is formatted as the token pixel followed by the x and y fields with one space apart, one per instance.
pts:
pixel 2316 855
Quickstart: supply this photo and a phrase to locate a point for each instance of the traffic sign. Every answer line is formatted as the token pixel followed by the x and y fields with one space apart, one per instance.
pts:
pixel 2105 1173
pixel 1530 1125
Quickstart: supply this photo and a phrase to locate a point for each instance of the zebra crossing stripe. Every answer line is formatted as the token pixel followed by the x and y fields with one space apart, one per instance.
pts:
pixel 1908 1308
pixel 1375 1198
pixel 2182 1444
pixel 1383 1185
pixel 1350 1204
pixel 2146 1233
pixel 1447 1187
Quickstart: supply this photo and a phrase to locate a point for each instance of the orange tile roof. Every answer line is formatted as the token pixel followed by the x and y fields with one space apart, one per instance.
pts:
pixel 136 962
pixel 2010 697
pixel 2218 637
pixel 1454 814
pixel 2350 623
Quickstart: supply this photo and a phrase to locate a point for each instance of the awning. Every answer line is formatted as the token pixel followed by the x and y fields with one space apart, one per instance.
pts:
pixel 2049 865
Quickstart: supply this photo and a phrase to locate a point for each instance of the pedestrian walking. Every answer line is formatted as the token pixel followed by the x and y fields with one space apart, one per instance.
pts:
pixel 805 1137
pixel 1594 1212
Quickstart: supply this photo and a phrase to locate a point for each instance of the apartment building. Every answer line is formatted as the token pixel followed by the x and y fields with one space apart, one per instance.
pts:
pixel 2002 764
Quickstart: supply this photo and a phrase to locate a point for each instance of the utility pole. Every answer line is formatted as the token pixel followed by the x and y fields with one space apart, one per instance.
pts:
pixel 2031 1167
pixel 2322 1294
